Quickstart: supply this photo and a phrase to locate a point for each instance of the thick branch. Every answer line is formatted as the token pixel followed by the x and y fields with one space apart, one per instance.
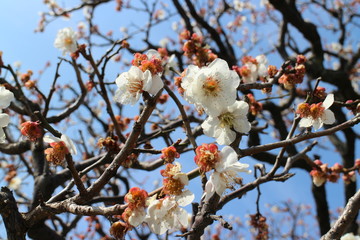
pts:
pixel 348 215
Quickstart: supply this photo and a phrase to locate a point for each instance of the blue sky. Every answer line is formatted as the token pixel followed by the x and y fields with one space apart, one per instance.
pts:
pixel 19 18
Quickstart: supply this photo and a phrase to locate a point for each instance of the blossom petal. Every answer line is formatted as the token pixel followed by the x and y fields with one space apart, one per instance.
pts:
pixel 2 135
pixel 209 189
pixel 137 217
pixel 51 139
pixel 225 136
pixel 4 120
pixel 306 122
pixel 329 100
pixel 242 126
pixel 228 157
pixel 182 217
pixel 152 53
pixel 218 182
pixel 209 126
pixel 69 144
pixel 328 117
pixel 185 198
pixel 317 123
pixel 5 97
pixel 157 84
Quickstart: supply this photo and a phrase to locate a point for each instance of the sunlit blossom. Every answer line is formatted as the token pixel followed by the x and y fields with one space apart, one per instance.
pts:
pixel 133 83
pixel 317 114
pixel 212 87
pixel 225 172
pixel 165 214
pixel 232 117
pixel 5 97
pixel 66 41
pixel 59 148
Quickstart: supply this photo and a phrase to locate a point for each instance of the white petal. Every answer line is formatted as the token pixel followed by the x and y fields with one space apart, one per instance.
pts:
pixel 157 84
pixel 219 183
pixel 209 126
pixel 185 198
pixel 328 117
pixel 4 120
pixel 225 136
pixel 5 97
pixel 306 122
pixel 137 217
pixel 329 100
pixel 2 135
pixel 228 156
pixel 182 217
pixel 152 53
pixel 240 108
pixel 209 189
pixel 51 139
pixel 242 125
pixel 147 80
pixel 317 123
pixel 69 144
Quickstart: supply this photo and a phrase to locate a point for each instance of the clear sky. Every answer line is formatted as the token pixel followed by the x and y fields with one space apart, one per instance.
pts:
pixel 18 20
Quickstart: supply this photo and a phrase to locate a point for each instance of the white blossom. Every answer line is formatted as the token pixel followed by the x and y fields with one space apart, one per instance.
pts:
pixel 66 41
pixel 137 216
pixel 220 127
pixel 225 172
pixel 212 87
pixel 261 67
pixel 5 97
pixel 131 84
pixel 166 214
pixel 323 116
pixel 64 138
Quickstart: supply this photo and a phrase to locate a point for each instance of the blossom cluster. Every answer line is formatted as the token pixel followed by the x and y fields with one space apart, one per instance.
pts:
pixel 213 89
pixel 321 173
pixel 164 213
pixel 294 75
pixel 252 68
pixel 143 76
pixel 316 114
pixel 167 213
pixel 225 165
pixel 195 49
pixel 5 99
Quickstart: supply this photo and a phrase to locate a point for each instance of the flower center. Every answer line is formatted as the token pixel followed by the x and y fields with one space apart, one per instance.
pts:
pixel 303 109
pixel 207 155
pixel 57 153
pixel 68 41
pixel 211 86
pixel 226 119
pixel 316 110
pixel 134 86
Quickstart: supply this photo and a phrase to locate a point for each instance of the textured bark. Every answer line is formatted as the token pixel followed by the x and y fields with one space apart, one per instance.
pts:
pixel 349 215
pixel 203 219
pixel 13 220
